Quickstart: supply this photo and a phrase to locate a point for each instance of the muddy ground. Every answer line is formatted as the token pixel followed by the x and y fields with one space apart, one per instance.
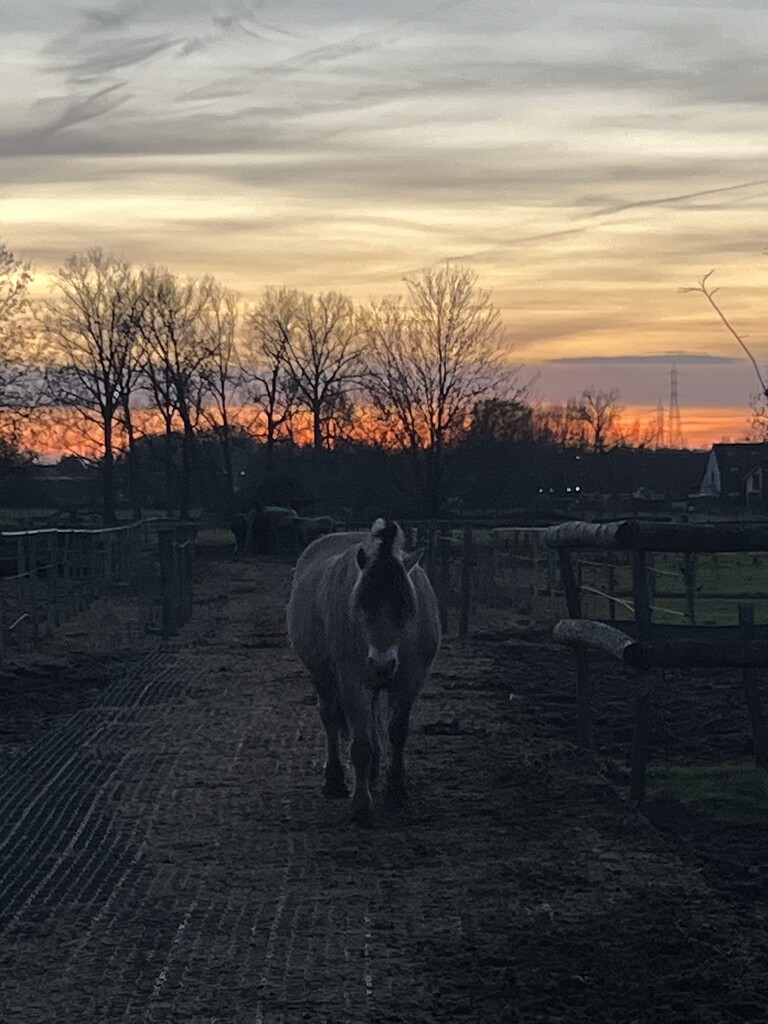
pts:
pixel 519 884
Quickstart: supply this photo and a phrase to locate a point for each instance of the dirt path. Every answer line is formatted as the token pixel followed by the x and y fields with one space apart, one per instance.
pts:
pixel 166 855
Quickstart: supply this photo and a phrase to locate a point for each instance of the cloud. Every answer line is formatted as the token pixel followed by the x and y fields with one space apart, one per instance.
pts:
pixel 102 19
pixel 89 61
pixel 587 159
pixel 79 110
pixel 682 358
pixel 678 199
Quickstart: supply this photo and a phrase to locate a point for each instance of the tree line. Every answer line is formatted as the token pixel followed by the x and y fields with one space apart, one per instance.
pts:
pixel 136 350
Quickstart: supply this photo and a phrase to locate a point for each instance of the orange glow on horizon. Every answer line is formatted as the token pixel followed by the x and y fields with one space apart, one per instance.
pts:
pixel 65 432
pixel 702 426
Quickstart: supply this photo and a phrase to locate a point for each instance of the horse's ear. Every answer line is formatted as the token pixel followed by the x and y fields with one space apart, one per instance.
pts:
pixel 412 560
pixel 361 558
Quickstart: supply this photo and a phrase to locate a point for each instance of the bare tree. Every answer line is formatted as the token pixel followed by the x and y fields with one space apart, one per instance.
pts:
pixel 218 329
pixel 709 294
pixel 175 351
pixel 19 380
pixel 758 428
pixel 433 356
pixel 598 414
pixel 757 431
pixel 264 355
pixel 501 419
pixel 323 359
pixel 557 423
pixel 90 332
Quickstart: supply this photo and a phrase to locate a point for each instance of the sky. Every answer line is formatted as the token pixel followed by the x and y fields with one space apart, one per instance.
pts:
pixel 587 159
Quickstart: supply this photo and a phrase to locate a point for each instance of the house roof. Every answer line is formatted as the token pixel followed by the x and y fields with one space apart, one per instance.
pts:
pixel 736 461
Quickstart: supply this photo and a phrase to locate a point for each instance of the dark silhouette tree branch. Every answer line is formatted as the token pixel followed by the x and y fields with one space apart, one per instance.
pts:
pixel 709 295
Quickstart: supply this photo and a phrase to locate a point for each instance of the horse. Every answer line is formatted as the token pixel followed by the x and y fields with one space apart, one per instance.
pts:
pixel 265 530
pixel 312 528
pixel 363 618
pixel 278 530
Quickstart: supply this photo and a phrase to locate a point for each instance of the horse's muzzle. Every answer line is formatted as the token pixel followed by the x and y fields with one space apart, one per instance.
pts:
pixel 381 667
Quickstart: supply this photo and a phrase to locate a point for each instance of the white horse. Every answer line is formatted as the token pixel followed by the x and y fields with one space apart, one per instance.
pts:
pixel 363 618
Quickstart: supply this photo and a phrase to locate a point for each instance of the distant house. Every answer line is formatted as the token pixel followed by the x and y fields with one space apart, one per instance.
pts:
pixel 737 474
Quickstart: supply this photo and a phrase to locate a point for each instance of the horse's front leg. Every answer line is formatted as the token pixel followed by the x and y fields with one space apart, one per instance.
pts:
pixel 357 710
pixel 333 721
pixel 376 751
pixel 399 721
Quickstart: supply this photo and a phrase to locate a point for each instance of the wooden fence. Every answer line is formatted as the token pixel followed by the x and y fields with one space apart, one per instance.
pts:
pixel 51 576
pixel 644 645
pixel 478 568
pixel 485 573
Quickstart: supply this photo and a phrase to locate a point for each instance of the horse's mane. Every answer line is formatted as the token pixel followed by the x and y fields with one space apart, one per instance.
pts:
pixel 384 581
pixel 386 532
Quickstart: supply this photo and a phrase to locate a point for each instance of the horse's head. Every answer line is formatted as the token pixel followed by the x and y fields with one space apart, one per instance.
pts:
pixel 384 599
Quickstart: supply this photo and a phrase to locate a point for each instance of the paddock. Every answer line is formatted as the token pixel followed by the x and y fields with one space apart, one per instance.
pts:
pixel 166 854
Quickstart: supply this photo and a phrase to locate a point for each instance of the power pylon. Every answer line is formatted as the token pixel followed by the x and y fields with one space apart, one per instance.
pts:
pixel 675 438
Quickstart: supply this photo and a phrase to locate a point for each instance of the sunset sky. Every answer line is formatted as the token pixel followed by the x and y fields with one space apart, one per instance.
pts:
pixel 587 159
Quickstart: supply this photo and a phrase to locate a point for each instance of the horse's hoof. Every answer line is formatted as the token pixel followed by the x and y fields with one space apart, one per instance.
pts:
pixel 363 817
pixel 335 791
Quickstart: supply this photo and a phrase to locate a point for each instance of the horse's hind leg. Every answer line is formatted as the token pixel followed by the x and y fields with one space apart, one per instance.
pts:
pixel 333 722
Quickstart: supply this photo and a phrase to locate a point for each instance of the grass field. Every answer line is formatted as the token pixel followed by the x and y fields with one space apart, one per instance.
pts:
pixel 720 583
pixel 734 791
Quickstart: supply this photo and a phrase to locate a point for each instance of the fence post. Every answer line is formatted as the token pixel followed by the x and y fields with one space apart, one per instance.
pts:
pixel 24 586
pixel 178 571
pixel 66 568
pixel 533 541
pixel 466 582
pixel 445 578
pixel 640 735
pixel 52 609
pixel 641 731
pixel 430 536
pixel 552 583
pixel 169 624
pixel 689 574
pixel 187 570
pixel 585 687
pixel 751 694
